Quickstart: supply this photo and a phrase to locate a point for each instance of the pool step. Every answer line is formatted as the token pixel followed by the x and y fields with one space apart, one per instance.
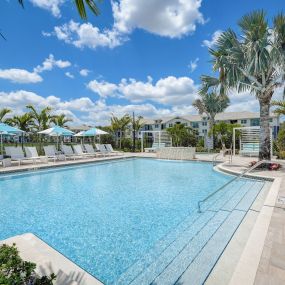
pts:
pixel 165 269
pixel 202 265
pixel 183 233
pixel 215 202
pixel 193 248
pixel 244 198
pixel 227 194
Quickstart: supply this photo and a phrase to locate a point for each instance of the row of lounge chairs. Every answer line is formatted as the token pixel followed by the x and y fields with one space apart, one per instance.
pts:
pixel 67 152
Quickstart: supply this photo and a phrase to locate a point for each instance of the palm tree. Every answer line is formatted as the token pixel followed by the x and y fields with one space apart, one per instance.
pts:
pixel 3 113
pixel 23 122
pixel 137 125
pixel 211 104
pixel 60 120
pixel 41 119
pixel 280 110
pixel 81 7
pixel 119 126
pixel 254 63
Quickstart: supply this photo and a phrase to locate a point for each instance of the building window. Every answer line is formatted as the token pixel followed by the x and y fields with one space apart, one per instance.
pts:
pixel 204 131
pixel 156 126
pixel 270 120
pixel 204 124
pixel 195 125
pixel 254 122
pixel 243 121
pixel 170 125
pixel 185 124
pixel 163 126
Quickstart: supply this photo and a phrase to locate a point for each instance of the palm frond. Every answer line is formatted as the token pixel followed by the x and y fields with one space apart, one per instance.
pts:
pixel 80 4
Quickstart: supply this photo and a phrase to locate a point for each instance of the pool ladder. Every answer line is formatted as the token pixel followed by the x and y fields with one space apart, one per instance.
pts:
pixel 231 181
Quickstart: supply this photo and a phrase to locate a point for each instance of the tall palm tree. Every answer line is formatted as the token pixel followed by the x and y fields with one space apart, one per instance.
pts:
pixel 23 122
pixel 253 62
pixel 41 119
pixel 211 104
pixel 119 126
pixel 60 120
pixel 280 110
pixel 137 124
pixel 3 113
pixel 81 7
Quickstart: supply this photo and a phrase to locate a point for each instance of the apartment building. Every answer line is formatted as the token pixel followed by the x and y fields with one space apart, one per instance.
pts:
pixel 201 124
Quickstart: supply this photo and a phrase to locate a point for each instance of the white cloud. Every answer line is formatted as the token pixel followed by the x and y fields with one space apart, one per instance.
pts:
pixel 193 64
pixel 168 91
pixel 84 72
pixel 20 75
pixel 50 62
pixel 84 110
pixel 52 6
pixel 212 42
pixel 87 35
pixel 168 18
pixel 70 75
pixel 17 75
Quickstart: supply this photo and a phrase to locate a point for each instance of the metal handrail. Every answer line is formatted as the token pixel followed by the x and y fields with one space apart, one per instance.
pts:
pixel 215 158
pixel 234 179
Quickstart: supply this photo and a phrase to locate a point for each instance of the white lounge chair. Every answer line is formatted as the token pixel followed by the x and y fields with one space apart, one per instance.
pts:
pixel 89 149
pixel 17 154
pixel 32 153
pixel 111 150
pixel 79 151
pixel 68 152
pixel 101 149
pixel 52 153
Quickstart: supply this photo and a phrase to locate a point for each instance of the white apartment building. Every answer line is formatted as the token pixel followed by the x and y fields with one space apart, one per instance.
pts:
pixel 201 124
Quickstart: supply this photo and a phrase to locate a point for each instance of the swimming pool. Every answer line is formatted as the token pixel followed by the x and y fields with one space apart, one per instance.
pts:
pixel 107 217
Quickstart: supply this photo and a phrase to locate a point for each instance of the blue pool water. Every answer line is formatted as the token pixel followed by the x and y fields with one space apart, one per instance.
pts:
pixel 105 217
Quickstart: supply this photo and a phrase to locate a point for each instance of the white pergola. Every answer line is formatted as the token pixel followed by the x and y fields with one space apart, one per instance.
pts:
pixel 249 140
pixel 159 135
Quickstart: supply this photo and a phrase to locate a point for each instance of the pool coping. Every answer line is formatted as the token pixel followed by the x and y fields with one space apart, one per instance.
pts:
pixel 246 269
pixel 50 260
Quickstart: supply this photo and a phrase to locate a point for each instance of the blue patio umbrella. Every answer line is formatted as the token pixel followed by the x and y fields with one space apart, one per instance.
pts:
pixel 7 130
pixel 57 131
pixel 91 133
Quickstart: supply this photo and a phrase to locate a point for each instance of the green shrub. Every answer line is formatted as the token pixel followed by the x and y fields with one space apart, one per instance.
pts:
pixel 15 271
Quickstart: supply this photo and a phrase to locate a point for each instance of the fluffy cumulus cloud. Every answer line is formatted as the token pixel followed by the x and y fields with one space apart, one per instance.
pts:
pixel 87 35
pixel 167 91
pixel 210 43
pixel 51 5
pixel 50 62
pixel 16 75
pixel 168 18
pixel 84 109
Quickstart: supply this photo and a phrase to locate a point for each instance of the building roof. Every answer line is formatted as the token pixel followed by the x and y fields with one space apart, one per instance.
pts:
pixel 220 117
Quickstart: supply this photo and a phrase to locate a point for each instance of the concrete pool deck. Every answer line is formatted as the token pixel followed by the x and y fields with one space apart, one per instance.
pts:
pixel 257 247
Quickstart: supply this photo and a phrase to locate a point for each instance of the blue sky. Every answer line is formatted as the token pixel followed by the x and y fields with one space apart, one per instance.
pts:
pixel 142 56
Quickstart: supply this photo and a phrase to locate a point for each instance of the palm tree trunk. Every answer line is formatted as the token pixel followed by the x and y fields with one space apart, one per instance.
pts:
pixel 211 126
pixel 264 137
